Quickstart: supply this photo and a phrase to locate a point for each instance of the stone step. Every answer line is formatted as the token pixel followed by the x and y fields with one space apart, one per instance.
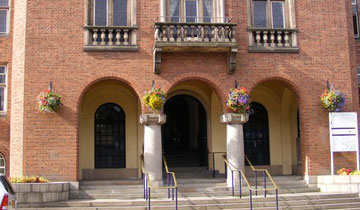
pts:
pixel 343 201
pixel 182 188
pixel 163 194
pixel 111 182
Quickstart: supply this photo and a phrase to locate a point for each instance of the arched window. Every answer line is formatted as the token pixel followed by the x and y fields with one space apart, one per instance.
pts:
pixel 109 136
pixel 257 136
pixel 2 165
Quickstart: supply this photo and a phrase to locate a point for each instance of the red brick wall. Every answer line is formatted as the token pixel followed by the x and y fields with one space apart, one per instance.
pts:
pixel 54 53
pixel 5 59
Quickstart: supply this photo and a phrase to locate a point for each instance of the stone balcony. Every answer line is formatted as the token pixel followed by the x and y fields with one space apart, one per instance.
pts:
pixel 195 37
pixel 272 40
pixel 114 38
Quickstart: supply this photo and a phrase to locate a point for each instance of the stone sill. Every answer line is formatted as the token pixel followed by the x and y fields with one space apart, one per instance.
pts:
pixel 5 35
pixel 107 48
pixel 268 49
pixel 195 46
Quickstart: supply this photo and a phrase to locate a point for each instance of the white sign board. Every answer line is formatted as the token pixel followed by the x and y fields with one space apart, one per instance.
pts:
pixel 343 134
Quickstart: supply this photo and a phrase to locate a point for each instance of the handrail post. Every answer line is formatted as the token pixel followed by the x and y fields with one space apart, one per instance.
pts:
pixel 143 179
pixel 149 198
pixel 240 185
pixel 232 182
pixel 250 199
pixel 213 162
pixel 146 187
pixel 277 199
pixel 256 183
pixel 264 174
pixel 225 171
pixel 176 202
pixel 172 184
pixel 168 184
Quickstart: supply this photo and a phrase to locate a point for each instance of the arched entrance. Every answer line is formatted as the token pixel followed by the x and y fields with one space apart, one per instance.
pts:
pixel 256 136
pixel 184 135
pixel 272 134
pixel 109 136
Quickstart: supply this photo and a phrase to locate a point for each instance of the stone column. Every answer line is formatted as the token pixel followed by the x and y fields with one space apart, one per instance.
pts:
pixel 153 146
pixel 162 10
pixel 235 151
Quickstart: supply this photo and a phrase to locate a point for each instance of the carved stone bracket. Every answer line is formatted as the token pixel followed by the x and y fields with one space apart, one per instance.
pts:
pixel 232 60
pixel 155 119
pixel 157 60
pixel 233 118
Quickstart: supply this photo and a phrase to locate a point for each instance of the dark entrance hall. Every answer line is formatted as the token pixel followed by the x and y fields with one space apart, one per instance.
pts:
pixel 184 136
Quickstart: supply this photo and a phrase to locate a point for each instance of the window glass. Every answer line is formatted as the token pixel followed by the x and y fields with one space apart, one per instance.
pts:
pixel 2 79
pixel 191 9
pixel 2 98
pixel 356 25
pixel 174 10
pixel 100 12
pixel 4 3
pixel 120 12
pixel 2 69
pixel 260 14
pixel 3 21
pixel 277 14
pixel 207 10
pixel 353 3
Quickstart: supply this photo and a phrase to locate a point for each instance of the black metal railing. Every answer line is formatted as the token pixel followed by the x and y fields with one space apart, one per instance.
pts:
pixel 172 184
pixel 213 154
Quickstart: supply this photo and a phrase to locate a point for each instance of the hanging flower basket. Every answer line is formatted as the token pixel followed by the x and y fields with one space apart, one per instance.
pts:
pixel 49 101
pixel 332 100
pixel 154 99
pixel 238 100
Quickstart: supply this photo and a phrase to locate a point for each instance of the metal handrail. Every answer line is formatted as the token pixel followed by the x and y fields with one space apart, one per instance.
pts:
pixel 241 174
pixel 265 173
pixel 213 161
pixel 147 184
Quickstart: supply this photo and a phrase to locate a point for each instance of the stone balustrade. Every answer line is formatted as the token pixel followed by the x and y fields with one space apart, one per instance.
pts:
pixel 195 32
pixel 278 40
pixel 195 37
pixel 116 38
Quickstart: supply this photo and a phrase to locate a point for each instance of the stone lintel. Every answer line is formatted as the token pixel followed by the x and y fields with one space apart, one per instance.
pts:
pixel 234 118
pixel 152 119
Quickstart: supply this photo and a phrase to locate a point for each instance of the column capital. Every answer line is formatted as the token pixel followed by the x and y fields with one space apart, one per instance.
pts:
pixel 152 119
pixel 234 118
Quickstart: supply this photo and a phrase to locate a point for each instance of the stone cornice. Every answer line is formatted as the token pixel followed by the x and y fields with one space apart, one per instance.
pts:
pixel 234 118
pixel 152 119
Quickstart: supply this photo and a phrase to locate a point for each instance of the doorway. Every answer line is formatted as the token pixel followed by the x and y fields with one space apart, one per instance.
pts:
pixel 184 136
pixel 109 136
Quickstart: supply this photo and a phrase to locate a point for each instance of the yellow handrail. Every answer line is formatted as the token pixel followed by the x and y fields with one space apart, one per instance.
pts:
pixel 242 173
pixel 167 171
pixel 262 170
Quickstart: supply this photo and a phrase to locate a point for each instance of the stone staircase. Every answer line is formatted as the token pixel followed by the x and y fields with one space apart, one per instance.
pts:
pixel 201 191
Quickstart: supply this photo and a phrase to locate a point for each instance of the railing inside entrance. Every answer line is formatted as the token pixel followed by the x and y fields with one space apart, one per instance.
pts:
pixel 172 184
pixel 213 154
pixel 251 190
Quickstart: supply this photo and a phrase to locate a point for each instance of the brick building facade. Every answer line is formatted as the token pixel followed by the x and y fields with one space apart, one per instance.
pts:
pixel 285 70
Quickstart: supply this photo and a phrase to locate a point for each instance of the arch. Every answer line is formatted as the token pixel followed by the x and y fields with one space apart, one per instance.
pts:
pixel 109 89
pixel 2 164
pixel 292 86
pixel 109 131
pixel 201 78
pixel 256 135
